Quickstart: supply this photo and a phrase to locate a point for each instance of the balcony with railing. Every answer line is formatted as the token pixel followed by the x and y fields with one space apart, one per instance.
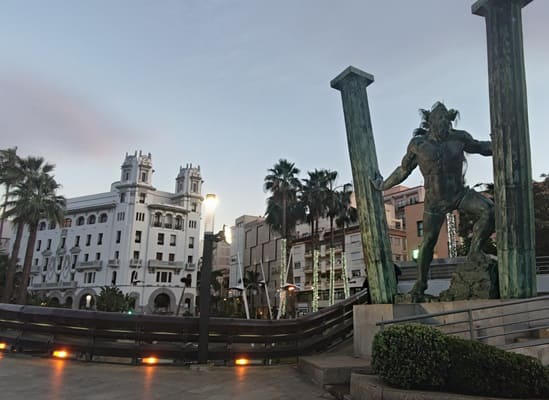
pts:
pixel 136 263
pixel 175 265
pixel 53 285
pixel 114 263
pixel 190 266
pixel 89 265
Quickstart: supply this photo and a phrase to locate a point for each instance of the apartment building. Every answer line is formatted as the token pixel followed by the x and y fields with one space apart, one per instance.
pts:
pixel 135 237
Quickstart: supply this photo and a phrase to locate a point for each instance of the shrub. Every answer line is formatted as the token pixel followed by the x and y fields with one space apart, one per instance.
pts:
pixel 421 357
pixel 411 357
pixel 479 369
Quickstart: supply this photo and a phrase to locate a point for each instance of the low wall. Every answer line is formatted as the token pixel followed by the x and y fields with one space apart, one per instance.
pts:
pixel 489 321
pixel 370 387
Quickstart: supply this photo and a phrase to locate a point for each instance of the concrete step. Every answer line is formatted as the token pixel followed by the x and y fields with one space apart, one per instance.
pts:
pixel 333 369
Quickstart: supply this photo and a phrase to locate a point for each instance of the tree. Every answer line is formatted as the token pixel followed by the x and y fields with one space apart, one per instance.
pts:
pixel 347 214
pixel 34 198
pixel 10 174
pixel 215 287
pixel 111 299
pixel 282 182
pixel 313 197
pixel 4 261
pixel 541 215
pixel 252 283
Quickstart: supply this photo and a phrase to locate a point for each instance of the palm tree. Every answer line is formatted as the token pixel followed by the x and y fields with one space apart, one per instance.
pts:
pixel 282 182
pixel 251 283
pixel 34 198
pixel 19 224
pixel 10 173
pixel 215 287
pixel 313 197
pixel 346 215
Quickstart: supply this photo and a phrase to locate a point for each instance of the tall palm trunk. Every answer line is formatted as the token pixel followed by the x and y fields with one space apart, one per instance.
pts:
pixel 10 274
pixel 4 206
pixel 22 296
pixel 284 206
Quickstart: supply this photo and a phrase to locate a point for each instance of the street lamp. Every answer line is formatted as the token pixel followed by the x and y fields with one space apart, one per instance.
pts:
pixel 210 204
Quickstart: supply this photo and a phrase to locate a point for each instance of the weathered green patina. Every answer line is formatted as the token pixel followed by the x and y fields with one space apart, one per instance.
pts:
pixel 439 151
pixel 511 150
pixel 352 84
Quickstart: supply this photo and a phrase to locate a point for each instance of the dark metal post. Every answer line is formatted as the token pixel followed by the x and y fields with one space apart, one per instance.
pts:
pixel 205 277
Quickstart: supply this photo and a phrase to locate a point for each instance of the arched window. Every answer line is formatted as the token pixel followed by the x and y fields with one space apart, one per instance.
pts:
pixel 42 226
pixel 67 223
pixel 178 222
pixel 133 277
pixel 157 221
pixel 103 218
pixel 168 221
pixel 52 225
pixel 80 221
pixel 91 219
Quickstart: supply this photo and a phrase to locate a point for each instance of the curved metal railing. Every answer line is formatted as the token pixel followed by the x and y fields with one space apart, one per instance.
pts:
pixel 92 334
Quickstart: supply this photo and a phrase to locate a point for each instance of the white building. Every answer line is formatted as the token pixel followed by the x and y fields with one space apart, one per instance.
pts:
pixel 139 239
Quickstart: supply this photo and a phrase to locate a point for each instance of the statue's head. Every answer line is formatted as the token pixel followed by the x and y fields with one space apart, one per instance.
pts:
pixel 437 122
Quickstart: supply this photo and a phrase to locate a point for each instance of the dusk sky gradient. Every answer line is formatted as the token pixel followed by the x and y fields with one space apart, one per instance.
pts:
pixel 235 85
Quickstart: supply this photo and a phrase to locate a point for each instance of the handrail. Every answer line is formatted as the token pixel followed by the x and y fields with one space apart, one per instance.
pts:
pixel 95 333
pixel 462 310
pixel 504 322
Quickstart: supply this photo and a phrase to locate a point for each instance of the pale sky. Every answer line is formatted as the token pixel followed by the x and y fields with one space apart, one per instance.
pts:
pixel 235 85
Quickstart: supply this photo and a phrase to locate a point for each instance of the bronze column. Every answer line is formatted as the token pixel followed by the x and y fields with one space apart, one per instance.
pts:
pixel 511 147
pixel 352 84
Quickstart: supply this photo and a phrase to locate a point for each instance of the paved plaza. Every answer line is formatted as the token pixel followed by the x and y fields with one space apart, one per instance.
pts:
pixel 24 377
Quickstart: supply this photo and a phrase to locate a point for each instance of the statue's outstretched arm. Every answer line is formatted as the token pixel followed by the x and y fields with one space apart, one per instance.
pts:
pixel 477 146
pixel 409 163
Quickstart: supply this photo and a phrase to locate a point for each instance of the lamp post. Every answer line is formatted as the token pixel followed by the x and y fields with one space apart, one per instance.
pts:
pixel 205 277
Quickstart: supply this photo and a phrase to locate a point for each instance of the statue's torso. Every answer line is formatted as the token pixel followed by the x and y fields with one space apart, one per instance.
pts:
pixel 441 163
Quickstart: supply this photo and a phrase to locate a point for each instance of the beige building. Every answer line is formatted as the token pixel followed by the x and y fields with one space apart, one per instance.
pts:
pixel 414 232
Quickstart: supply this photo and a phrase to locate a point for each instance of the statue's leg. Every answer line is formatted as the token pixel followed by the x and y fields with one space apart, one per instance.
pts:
pixel 432 222
pixel 481 208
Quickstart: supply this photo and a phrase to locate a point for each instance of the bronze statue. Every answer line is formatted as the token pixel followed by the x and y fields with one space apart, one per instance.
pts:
pixel 439 150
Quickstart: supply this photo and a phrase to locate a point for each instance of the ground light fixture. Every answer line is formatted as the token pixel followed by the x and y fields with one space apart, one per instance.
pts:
pixel 3 346
pixel 149 360
pixel 241 361
pixel 60 354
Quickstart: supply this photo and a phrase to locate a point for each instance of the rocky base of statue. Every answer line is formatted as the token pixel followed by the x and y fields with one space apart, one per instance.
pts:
pixel 408 298
pixel 476 278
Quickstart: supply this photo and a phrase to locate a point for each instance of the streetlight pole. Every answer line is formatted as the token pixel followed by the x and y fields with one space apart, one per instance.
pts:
pixel 205 278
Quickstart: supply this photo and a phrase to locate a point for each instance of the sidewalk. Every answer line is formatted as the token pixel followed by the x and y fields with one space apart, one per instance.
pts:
pixel 23 377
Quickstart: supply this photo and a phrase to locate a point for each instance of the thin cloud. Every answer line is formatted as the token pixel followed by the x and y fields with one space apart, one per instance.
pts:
pixel 43 118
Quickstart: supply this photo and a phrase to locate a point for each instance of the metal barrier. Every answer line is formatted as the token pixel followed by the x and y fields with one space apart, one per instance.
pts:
pixel 93 333
pixel 505 324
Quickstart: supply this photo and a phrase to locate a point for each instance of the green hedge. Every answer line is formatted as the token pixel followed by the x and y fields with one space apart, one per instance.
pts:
pixel 411 357
pixel 483 370
pixel 421 357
